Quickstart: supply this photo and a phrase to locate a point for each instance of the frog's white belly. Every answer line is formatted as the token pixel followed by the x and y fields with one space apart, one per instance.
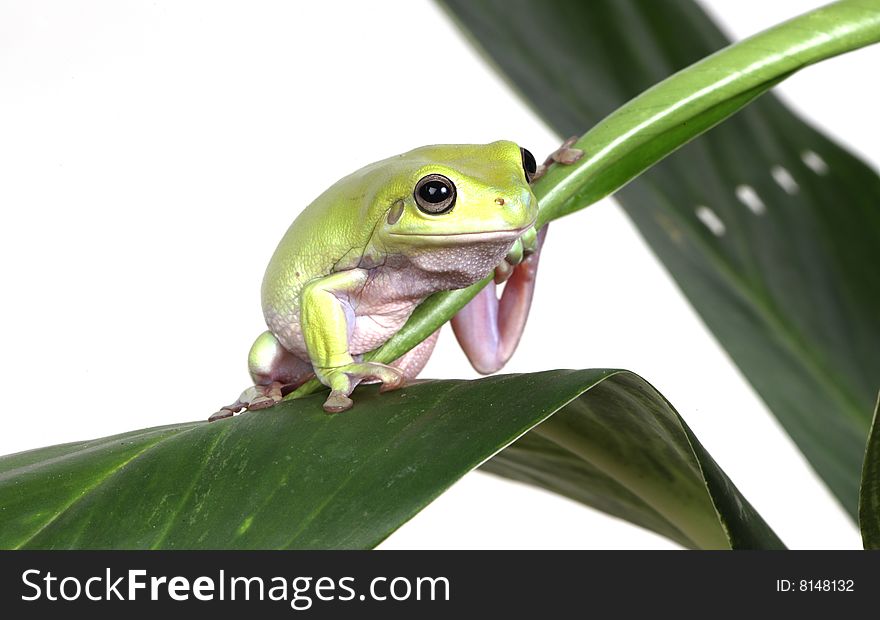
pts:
pixel 372 329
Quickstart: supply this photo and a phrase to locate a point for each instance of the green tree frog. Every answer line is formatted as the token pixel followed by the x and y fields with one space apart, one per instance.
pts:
pixel 358 260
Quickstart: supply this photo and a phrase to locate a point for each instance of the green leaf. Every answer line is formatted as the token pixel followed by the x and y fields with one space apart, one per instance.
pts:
pixel 784 281
pixel 869 499
pixel 294 477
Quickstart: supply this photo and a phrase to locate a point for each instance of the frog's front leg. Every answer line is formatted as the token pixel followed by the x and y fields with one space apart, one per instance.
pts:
pixel 487 328
pixel 327 319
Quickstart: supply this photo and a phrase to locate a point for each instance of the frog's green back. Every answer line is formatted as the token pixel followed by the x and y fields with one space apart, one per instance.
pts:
pixel 334 229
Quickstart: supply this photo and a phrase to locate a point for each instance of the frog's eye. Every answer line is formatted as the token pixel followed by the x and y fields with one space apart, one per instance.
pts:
pixel 434 194
pixel 529 164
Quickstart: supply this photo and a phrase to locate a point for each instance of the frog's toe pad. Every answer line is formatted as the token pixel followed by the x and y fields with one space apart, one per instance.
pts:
pixel 337 402
pixel 261 402
pixel 342 381
pixel 221 415
pixel 252 399
pixel 392 378
pixel 503 272
pixel 395 385
pixel 567 156
pixel 389 376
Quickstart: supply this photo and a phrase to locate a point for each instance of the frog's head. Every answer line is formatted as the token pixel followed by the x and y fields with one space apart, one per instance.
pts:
pixel 452 196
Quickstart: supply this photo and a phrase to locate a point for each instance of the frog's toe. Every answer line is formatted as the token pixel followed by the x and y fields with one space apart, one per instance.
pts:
pixel 337 402
pixel 565 155
pixel 515 253
pixel 394 384
pixel 530 242
pixel 503 271
pixel 261 396
pixel 261 402
pixel 223 413
pixel 344 379
pixel 392 378
pixel 389 376
pixel 228 411
pixel 252 399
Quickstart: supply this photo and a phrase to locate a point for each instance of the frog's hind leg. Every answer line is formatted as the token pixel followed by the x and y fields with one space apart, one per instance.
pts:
pixel 269 362
pixel 489 329
pixel 275 372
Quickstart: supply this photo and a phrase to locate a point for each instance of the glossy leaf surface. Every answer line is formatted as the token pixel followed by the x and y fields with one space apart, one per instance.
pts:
pixel 295 477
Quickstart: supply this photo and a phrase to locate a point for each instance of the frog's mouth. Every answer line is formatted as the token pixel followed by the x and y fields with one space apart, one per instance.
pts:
pixel 464 237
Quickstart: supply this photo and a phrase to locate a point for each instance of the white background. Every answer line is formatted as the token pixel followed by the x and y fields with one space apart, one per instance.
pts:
pixel 152 154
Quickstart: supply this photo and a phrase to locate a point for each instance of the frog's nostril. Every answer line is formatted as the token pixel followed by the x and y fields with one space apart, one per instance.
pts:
pixel 499 201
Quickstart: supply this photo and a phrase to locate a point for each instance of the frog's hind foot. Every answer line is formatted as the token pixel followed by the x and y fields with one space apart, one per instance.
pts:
pixel 488 328
pixel 275 372
pixel 344 379
pixel 253 399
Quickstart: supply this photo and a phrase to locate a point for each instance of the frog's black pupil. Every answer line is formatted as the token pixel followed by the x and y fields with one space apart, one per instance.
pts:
pixel 434 191
pixel 529 163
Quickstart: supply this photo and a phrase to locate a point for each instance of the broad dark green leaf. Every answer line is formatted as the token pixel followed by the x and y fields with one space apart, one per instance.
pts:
pixel 869 501
pixel 769 228
pixel 295 477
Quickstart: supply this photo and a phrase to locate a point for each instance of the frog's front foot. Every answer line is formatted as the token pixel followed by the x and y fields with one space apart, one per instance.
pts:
pixel 524 247
pixel 565 154
pixel 344 379
pixel 254 398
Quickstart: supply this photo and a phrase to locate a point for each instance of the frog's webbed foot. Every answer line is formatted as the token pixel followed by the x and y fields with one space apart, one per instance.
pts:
pixel 252 399
pixel 343 380
pixel 489 329
pixel 563 155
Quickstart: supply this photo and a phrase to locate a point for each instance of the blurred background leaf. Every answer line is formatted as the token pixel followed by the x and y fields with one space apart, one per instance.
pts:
pixel 769 228
pixel 869 502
